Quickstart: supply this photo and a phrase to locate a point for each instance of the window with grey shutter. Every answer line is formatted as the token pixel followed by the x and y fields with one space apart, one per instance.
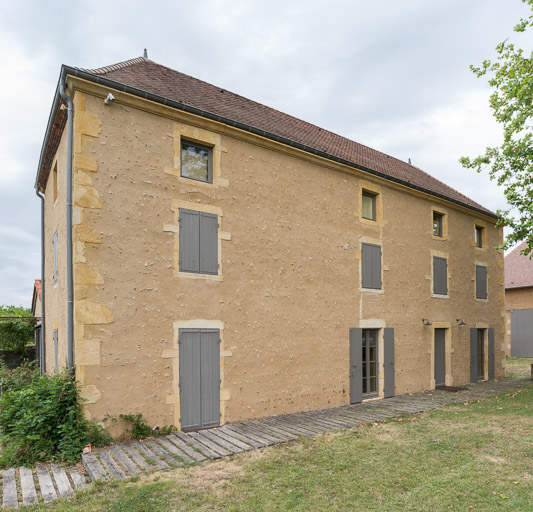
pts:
pixel 481 282
pixel 440 276
pixel 198 238
pixel 371 266
pixel 208 243
pixel 54 245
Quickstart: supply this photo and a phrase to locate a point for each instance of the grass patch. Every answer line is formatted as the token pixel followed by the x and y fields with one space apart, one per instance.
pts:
pixel 518 366
pixel 475 456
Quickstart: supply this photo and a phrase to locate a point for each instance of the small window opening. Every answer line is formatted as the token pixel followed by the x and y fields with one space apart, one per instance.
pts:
pixel 479 236
pixel 196 162
pixel 438 219
pixel 369 205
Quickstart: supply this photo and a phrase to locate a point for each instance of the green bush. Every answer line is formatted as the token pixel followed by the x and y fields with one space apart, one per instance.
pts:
pixel 16 379
pixel 98 435
pixel 43 421
pixel 140 429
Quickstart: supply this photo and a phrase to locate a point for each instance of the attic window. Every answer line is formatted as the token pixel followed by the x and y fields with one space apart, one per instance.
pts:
pixel 438 220
pixel 369 205
pixel 196 162
pixel 479 236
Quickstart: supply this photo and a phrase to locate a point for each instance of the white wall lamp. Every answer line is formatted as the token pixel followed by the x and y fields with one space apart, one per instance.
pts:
pixel 109 99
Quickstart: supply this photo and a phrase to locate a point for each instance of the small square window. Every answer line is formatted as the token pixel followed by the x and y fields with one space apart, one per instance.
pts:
pixel 369 205
pixel 479 236
pixel 196 162
pixel 438 220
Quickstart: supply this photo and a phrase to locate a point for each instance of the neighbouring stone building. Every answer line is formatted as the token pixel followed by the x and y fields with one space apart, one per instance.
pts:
pixel 519 303
pixel 230 261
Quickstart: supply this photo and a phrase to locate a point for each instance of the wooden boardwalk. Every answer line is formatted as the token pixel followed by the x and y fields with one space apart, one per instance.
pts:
pixel 46 483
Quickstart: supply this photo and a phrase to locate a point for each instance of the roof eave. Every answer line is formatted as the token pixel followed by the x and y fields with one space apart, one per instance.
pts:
pixel 68 70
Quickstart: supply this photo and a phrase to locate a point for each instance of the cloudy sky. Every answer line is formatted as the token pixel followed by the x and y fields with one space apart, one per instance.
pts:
pixel 392 74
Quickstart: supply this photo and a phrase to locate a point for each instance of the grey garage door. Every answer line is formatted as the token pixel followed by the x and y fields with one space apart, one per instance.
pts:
pixel 199 361
pixel 522 332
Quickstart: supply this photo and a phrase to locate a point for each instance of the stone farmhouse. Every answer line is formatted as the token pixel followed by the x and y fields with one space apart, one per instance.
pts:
pixel 519 303
pixel 208 259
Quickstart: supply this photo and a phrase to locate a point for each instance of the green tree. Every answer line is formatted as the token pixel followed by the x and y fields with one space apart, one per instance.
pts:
pixel 15 334
pixel 511 163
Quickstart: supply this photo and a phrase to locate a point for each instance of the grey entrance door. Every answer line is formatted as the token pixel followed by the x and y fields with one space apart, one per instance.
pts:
pixel 364 366
pixel 477 354
pixel 522 332
pixel 199 366
pixel 480 354
pixel 440 357
pixel 370 362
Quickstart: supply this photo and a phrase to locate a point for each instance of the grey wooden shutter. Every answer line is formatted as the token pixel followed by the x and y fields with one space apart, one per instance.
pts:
pixel 190 378
pixel 54 244
pixel 189 227
pixel 491 353
pixel 371 266
pixel 208 243
pixel 473 355
pixel 356 366
pixel 388 361
pixel 210 377
pixel 440 276
pixel 481 282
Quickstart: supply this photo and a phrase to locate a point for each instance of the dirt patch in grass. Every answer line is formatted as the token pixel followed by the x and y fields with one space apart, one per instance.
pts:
pixel 211 476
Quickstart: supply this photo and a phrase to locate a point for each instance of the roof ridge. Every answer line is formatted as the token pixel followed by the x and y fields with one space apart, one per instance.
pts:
pixel 115 67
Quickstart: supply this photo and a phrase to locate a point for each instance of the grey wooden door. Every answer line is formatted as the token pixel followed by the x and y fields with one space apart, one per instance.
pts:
pixel 199 366
pixel 522 332
pixel 491 354
pixel 440 357
pixel 473 355
pixel 388 362
pixel 356 369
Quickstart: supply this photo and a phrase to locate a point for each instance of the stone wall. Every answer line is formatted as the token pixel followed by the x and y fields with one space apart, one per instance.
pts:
pixel 288 288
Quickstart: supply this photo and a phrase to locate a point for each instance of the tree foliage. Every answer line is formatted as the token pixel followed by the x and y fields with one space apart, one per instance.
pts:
pixel 511 164
pixel 15 334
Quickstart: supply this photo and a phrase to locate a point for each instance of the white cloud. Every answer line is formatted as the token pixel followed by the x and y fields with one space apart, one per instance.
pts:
pixel 393 75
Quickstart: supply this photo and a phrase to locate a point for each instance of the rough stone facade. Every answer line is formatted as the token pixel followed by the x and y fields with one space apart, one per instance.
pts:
pixel 289 282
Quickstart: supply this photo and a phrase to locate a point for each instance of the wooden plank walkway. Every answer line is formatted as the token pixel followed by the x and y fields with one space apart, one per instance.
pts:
pixel 46 483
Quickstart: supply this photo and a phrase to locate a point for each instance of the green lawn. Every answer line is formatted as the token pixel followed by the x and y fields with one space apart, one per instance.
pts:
pixel 518 366
pixel 476 456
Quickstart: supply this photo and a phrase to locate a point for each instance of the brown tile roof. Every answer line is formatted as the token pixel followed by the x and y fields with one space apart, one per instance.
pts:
pixel 37 286
pixel 153 78
pixel 49 151
pixel 518 268
pixel 36 294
